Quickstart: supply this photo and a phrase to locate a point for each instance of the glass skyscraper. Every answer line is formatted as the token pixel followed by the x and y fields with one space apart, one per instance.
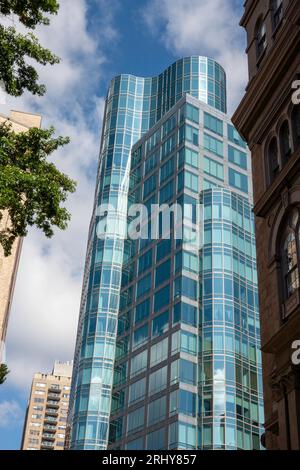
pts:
pixel 167 353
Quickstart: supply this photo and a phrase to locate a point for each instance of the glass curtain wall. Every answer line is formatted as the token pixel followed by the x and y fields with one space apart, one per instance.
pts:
pixel 133 106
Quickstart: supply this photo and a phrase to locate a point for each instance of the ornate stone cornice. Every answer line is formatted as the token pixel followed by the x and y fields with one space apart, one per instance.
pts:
pixel 284 381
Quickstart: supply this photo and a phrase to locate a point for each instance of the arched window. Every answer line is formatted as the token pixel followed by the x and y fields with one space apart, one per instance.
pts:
pixel 277 12
pixel 273 162
pixel 290 255
pixel 296 126
pixel 261 38
pixel 285 142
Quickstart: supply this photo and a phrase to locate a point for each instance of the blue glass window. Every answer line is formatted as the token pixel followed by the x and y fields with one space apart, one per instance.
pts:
pixel 156 440
pixel 167 170
pixel 238 180
pixel 162 298
pixel 144 285
pixel 191 113
pixel 213 145
pixel 145 261
pixel 135 420
pixel 187 287
pixel 186 261
pixel 149 185
pixel 168 146
pixel 157 410
pixel 237 157
pixel 153 140
pixel 137 154
pixel 188 180
pixel 189 207
pixel 188 343
pixel 162 273
pixel 185 313
pixel 158 380
pixel 169 125
pixel 137 444
pixel 190 134
pixel 142 311
pixel 187 372
pixel 188 157
pixel 213 168
pixel 167 192
pixel 182 436
pixel 187 403
pixel 233 136
pixel 163 249
pixel 138 363
pixel 151 162
pixel 97 277
pixel 137 391
pixel 140 336
pixel 160 324
pixel 213 124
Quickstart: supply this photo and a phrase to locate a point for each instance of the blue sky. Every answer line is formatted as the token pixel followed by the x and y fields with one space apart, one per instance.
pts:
pixel 96 40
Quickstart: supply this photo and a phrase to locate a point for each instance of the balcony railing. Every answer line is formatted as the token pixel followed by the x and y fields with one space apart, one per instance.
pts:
pixel 53 403
pixel 49 437
pixel 49 428
pixel 51 412
pixel 53 396
pixel 54 389
pixel 47 445
pixel 50 419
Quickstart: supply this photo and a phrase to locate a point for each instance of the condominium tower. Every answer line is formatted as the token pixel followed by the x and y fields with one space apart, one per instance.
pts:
pixel 167 353
pixel 20 122
pixel 46 415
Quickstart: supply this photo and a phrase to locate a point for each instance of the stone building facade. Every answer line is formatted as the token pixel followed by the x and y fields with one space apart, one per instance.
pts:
pixel 268 118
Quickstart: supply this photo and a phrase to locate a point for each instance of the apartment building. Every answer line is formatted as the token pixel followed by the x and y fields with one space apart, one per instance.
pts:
pixel 46 415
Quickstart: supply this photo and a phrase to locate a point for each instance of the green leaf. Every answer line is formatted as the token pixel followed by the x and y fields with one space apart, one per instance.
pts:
pixel 16 49
pixel 30 12
pixel 16 74
pixel 32 189
pixel 3 373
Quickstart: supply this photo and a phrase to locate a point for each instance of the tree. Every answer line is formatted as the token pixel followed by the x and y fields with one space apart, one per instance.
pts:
pixel 15 72
pixel 30 12
pixel 3 373
pixel 31 188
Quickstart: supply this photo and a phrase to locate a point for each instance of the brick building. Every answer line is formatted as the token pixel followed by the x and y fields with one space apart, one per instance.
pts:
pixel 269 121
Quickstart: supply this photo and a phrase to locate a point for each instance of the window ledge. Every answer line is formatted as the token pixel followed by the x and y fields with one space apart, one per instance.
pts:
pixel 261 57
pixel 290 305
pixel 276 29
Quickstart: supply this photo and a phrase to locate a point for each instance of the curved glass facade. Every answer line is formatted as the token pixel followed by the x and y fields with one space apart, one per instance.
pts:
pixel 188 365
pixel 230 386
pixel 133 106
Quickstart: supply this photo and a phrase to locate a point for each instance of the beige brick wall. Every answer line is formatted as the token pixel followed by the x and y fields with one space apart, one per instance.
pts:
pixel 46 418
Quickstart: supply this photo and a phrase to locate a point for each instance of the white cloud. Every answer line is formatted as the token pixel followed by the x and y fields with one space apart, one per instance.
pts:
pixel 10 413
pixel 205 27
pixel 45 309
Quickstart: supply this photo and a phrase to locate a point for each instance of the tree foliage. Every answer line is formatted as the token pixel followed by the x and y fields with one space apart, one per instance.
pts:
pixel 30 12
pixel 16 73
pixel 31 188
pixel 3 373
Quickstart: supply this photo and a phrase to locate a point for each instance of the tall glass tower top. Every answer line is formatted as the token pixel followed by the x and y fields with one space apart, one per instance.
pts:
pixel 164 137
pixel 200 77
